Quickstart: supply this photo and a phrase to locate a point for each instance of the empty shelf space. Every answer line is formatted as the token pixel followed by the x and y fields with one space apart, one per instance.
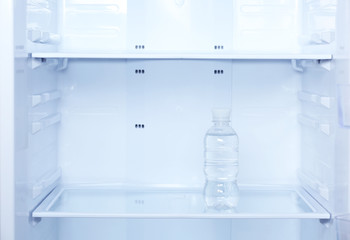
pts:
pixel 254 202
pixel 125 55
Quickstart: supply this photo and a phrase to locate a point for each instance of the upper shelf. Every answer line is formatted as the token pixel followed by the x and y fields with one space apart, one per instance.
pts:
pixel 254 202
pixel 150 55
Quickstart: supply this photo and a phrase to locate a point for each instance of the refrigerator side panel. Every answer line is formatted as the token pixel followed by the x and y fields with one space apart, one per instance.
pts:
pixel 36 121
pixel 6 122
pixel 342 59
pixel 324 122
pixel 342 74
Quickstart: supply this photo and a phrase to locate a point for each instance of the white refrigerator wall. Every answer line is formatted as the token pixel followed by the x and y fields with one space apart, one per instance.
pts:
pixel 143 128
pixel 264 114
pixel 148 128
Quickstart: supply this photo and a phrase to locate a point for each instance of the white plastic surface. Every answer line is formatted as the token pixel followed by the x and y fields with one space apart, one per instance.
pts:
pixel 266 26
pixel 42 24
pixel 343 226
pixel 323 101
pixel 45 97
pixel 324 127
pixel 318 25
pixel 50 180
pixel 264 115
pixel 321 137
pixel 106 101
pixel 93 25
pixel 37 36
pixel 45 122
pixel 135 202
pixel 7 121
pixel 36 171
pixel 344 104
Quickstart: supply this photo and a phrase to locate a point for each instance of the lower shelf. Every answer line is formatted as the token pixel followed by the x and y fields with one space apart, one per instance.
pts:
pixel 103 202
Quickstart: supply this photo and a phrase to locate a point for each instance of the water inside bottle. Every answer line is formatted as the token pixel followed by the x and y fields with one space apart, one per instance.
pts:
pixel 221 165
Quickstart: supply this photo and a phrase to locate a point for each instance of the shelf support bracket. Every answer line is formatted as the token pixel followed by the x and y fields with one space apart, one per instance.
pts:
pixel 326 222
pixel 326 37
pixel 60 64
pixel 325 64
pixel 297 65
pixel 45 122
pixel 34 220
pixel 37 36
pixel 36 62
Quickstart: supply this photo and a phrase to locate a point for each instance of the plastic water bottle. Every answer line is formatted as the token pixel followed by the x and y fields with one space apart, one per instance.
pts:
pixel 221 163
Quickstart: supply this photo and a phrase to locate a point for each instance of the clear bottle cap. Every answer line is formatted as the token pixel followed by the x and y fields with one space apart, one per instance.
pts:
pixel 221 114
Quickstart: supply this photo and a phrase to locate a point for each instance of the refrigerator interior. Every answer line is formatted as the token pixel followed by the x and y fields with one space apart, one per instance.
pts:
pixel 113 104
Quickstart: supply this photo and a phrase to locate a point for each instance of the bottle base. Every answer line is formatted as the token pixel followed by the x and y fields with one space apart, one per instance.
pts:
pixel 221 195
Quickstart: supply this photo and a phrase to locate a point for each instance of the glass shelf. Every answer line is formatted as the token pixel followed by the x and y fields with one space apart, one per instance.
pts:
pixel 103 202
pixel 155 55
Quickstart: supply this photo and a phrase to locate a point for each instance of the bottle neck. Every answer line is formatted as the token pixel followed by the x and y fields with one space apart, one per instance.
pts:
pixel 221 123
